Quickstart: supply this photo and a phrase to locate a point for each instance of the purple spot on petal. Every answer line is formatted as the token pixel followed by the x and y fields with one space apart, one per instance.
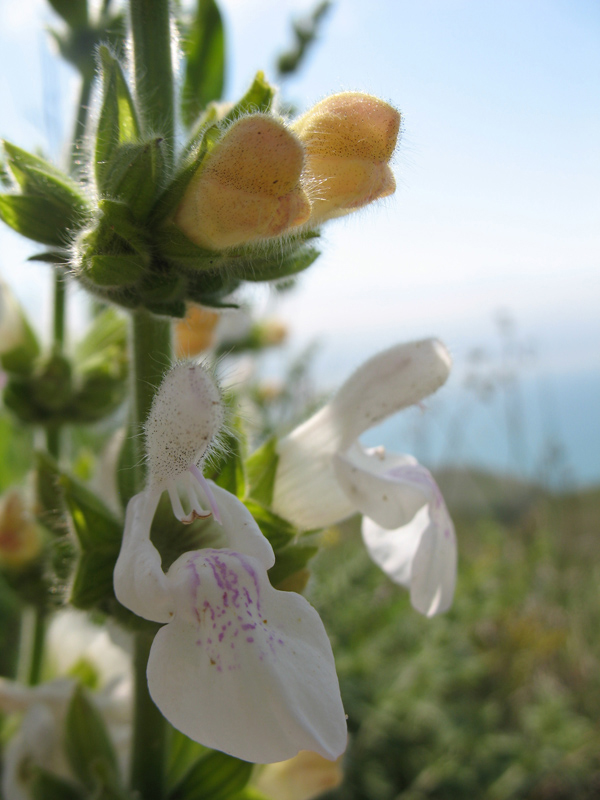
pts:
pixel 249 639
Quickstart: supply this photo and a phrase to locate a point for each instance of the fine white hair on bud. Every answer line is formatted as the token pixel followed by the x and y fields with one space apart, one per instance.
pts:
pixel 185 419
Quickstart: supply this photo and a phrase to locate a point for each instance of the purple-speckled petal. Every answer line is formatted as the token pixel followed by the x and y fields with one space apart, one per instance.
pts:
pixel 244 668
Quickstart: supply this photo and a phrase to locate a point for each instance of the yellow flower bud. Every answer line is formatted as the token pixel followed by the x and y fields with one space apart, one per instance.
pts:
pixel 21 538
pixel 271 332
pixel 303 777
pixel 196 332
pixel 348 139
pixel 249 187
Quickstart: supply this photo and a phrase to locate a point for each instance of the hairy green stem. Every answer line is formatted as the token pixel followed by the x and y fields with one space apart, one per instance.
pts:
pixel 148 758
pixel 153 65
pixel 151 356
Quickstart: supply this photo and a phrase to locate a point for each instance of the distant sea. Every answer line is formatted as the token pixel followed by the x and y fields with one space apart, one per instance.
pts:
pixel 538 425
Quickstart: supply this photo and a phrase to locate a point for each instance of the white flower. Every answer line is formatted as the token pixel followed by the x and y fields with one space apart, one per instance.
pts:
pixel 240 666
pixel 324 474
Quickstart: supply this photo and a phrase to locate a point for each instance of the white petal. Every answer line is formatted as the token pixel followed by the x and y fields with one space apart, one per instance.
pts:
pixel 388 382
pixel 368 477
pixel 244 668
pixel 36 742
pixel 306 489
pixel 394 551
pixel 16 696
pixel 422 553
pixel 239 530
pixel 433 577
pixel 139 581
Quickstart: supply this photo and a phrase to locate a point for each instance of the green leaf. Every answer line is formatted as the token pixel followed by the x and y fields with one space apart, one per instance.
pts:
pixel 22 357
pixel 261 468
pixel 118 122
pixel 278 531
pixel 16 446
pixel 195 152
pixel 228 467
pixel 37 178
pixel 29 169
pixel 204 48
pixel 108 330
pixel 282 266
pixel 53 257
pixel 176 248
pixel 258 98
pixel 37 218
pixel 291 560
pixel 118 270
pixel 182 754
pixel 74 12
pixel 217 776
pixel 87 744
pixel 99 534
pixel 48 786
pixel 305 32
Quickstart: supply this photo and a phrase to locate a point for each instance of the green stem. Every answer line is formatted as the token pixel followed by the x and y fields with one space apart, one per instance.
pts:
pixel 58 324
pixel 152 353
pixel 153 64
pixel 31 646
pixel 151 356
pixel 148 759
pixel 37 650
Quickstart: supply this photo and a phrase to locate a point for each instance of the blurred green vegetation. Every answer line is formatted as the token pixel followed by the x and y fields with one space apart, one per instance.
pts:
pixel 500 697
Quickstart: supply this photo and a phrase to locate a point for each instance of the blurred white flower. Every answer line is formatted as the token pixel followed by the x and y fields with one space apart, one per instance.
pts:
pixel 324 474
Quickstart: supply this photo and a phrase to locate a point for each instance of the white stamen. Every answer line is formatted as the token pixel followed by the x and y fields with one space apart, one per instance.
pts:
pixel 207 491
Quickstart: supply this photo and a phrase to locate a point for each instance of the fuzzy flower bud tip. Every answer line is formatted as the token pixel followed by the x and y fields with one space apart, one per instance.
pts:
pixel 349 139
pixel 185 419
pixel 249 187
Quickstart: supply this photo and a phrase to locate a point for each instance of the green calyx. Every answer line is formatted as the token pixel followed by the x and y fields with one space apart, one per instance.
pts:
pixel 82 389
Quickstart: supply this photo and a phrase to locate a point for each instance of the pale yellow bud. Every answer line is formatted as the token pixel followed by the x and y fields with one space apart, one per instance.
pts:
pixel 249 188
pixel 196 332
pixel 349 139
pixel 303 777
pixel 21 539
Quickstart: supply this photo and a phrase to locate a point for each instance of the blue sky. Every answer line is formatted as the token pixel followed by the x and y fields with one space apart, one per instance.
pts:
pixel 498 170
